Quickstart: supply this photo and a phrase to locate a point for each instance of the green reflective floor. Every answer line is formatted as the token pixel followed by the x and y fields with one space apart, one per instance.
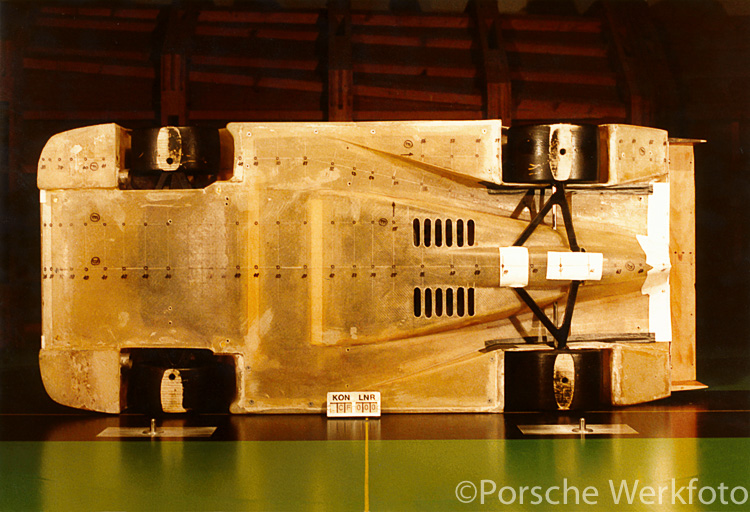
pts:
pixel 691 452
pixel 595 474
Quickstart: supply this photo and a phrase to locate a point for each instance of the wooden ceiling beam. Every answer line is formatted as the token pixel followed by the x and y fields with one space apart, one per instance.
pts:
pixel 497 77
pixel 174 65
pixel 416 20
pixel 340 70
pixel 238 16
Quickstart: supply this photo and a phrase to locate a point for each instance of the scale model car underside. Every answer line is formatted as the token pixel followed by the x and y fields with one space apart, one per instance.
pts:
pixel 450 266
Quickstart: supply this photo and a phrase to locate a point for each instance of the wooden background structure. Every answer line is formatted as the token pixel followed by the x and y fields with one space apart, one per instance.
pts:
pixel 682 66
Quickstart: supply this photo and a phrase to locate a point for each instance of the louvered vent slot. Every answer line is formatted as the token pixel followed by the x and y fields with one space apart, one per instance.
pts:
pixel 440 232
pixel 439 302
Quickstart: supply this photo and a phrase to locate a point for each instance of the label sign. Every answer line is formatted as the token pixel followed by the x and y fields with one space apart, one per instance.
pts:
pixel 575 266
pixel 353 404
pixel 514 266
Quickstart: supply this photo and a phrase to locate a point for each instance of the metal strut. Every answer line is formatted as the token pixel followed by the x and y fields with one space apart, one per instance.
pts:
pixel 561 333
pixel 557 198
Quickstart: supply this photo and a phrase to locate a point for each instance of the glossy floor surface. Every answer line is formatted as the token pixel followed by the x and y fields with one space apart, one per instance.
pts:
pixel 703 414
pixel 688 452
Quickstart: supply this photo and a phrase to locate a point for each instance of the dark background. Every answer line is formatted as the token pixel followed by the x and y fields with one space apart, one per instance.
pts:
pixel 679 65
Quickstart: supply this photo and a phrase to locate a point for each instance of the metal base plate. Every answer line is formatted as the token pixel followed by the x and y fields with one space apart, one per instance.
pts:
pixel 158 432
pixel 574 429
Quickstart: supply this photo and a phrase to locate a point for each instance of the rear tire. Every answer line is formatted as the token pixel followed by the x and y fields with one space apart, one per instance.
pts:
pixel 531 150
pixel 537 380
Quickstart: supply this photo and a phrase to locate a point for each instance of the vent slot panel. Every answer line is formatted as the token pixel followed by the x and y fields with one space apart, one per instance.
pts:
pixel 439 232
pixel 438 302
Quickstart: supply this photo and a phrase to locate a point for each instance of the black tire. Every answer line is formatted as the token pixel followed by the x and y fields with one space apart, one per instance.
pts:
pixel 199 149
pixel 208 382
pixel 186 157
pixel 530 153
pixel 145 390
pixel 530 381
